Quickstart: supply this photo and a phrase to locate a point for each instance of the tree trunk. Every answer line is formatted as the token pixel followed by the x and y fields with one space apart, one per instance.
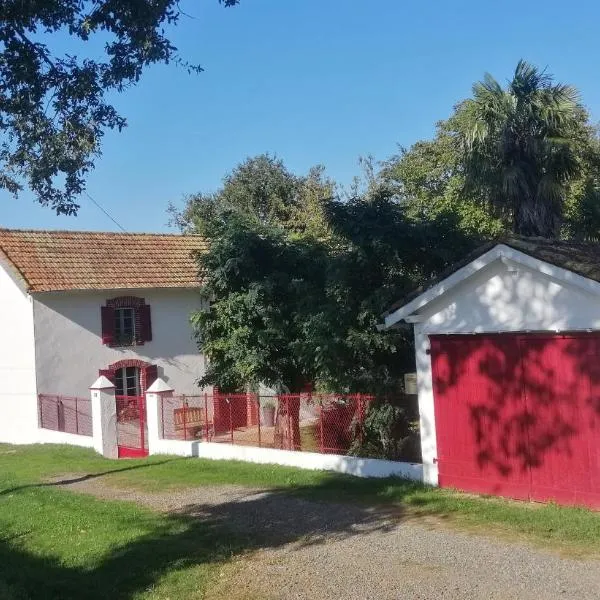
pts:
pixel 535 218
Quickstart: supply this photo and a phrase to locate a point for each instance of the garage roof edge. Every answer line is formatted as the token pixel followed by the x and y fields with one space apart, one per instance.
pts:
pixel 487 254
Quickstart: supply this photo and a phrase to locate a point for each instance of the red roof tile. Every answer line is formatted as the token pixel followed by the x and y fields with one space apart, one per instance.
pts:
pixel 87 260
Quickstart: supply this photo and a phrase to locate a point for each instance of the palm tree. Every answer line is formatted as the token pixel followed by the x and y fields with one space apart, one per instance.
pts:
pixel 519 145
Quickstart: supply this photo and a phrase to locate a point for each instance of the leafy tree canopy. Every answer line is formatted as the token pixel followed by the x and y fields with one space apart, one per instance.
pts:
pixel 53 107
pixel 289 307
pixel 265 192
pixel 523 158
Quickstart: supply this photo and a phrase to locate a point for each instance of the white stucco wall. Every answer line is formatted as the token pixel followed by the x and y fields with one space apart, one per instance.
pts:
pixel 69 350
pixel 18 399
pixel 349 465
pixel 503 296
pixel 512 297
pixel 48 436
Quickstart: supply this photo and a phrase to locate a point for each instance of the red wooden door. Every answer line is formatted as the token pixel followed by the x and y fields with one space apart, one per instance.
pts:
pixel 519 415
pixel 561 388
pixel 480 414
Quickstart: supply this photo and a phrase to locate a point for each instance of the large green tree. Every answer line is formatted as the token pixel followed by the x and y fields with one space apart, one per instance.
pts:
pixel 265 192
pixel 53 105
pixel 523 158
pixel 293 305
pixel 520 144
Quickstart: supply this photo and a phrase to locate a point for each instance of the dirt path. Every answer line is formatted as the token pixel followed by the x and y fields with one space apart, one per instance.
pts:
pixel 305 550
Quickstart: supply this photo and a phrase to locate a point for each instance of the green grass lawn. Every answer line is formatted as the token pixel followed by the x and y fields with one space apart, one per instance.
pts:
pixel 55 544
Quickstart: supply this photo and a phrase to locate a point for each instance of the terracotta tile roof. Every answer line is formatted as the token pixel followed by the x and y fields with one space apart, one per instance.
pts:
pixel 87 260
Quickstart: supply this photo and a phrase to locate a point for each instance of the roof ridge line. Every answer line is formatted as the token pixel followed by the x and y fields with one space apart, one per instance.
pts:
pixel 85 231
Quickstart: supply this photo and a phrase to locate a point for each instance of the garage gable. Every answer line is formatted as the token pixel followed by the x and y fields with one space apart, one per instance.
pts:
pixel 504 289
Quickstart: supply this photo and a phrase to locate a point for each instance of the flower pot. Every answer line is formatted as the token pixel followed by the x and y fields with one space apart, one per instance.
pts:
pixel 267 416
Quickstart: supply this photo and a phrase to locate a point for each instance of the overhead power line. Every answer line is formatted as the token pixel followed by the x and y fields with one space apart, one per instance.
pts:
pixel 106 213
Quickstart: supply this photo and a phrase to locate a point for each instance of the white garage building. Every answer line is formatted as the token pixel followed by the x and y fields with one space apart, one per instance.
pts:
pixel 508 371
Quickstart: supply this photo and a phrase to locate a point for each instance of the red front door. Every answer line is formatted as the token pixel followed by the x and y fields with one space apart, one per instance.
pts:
pixel 519 415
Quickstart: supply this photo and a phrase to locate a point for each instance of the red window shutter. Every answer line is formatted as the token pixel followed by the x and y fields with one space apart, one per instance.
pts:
pixel 145 323
pixel 151 372
pixel 108 373
pixel 107 317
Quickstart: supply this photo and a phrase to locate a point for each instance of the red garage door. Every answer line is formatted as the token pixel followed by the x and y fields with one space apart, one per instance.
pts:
pixel 519 415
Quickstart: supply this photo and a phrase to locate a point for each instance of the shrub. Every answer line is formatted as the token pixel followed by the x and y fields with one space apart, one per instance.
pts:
pixel 390 431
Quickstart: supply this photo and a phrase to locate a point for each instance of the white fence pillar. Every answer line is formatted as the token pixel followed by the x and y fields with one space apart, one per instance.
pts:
pixel 154 396
pixel 104 417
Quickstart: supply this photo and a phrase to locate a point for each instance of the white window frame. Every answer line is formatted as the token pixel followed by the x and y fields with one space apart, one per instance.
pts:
pixel 123 372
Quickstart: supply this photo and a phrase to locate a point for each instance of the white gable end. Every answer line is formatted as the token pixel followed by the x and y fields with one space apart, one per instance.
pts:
pixel 512 297
pixel 505 290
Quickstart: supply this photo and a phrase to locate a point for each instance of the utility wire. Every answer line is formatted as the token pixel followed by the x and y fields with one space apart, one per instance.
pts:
pixel 106 213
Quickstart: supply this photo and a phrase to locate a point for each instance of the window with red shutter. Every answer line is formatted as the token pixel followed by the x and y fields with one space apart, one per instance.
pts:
pixel 145 323
pixel 126 322
pixel 107 318
pixel 151 374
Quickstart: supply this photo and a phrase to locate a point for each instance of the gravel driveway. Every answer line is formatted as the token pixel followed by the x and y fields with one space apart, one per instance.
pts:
pixel 313 550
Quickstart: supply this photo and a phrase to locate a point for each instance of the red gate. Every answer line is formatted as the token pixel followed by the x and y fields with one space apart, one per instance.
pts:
pixel 132 431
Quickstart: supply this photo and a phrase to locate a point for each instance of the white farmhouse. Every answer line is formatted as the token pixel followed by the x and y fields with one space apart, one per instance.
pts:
pixel 75 305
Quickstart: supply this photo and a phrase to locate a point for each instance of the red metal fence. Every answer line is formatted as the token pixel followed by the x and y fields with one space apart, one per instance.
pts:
pixel 65 413
pixel 325 423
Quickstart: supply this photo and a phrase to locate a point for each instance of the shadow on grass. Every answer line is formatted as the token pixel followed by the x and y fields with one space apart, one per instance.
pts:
pixel 80 478
pixel 198 534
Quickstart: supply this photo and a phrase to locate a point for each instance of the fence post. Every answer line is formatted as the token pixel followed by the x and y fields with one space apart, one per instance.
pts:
pixel 104 417
pixel 184 413
pixel 155 396
pixel 230 418
pixel 258 415
pixel 76 417
pixel 289 425
pixel 361 416
pixel 40 411
pixel 207 436
pixel 321 426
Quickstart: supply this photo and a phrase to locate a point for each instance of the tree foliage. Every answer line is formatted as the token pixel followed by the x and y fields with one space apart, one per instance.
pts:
pixel 293 305
pixel 520 146
pixel 298 278
pixel 265 192
pixel 53 106
pixel 522 158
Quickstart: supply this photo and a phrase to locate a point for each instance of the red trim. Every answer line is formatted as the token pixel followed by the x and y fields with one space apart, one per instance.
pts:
pixel 148 371
pixel 125 452
pixel 129 362
pixel 125 302
pixel 107 322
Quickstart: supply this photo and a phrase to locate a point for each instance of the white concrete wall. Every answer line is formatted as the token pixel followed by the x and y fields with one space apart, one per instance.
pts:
pixel 69 350
pixel 350 465
pixel 502 297
pixel 18 397
pixel 47 436
pixel 511 297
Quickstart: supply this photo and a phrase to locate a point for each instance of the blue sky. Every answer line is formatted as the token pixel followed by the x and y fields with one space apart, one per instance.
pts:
pixel 312 81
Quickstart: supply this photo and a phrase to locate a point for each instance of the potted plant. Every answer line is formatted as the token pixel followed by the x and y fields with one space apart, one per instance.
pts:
pixel 267 412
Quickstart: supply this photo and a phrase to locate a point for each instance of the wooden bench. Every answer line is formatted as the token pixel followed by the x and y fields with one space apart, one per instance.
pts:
pixel 192 421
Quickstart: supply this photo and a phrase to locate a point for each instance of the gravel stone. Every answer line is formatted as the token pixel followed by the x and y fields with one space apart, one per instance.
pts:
pixel 315 550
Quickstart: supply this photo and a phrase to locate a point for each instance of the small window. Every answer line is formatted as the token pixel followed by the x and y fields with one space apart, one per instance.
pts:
pixel 127 381
pixel 125 321
pixel 124 326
